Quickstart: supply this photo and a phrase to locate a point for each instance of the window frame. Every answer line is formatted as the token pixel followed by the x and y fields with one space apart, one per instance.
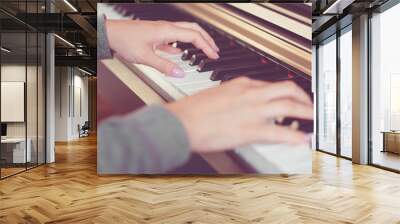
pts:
pixel 381 9
pixel 337 35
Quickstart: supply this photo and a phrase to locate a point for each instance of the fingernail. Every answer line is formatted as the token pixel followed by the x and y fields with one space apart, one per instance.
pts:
pixel 216 48
pixel 177 72
pixel 215 55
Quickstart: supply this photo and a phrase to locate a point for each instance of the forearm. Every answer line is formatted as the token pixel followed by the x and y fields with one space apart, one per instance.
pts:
pixel 151 140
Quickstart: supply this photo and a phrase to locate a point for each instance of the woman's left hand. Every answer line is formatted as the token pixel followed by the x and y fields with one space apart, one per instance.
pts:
pixel 137 40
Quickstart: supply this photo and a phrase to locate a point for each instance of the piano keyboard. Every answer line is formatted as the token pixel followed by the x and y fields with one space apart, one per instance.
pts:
pixel 236 59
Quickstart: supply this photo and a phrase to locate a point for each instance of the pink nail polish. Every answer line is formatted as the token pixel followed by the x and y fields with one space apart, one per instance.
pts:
pixel 177 72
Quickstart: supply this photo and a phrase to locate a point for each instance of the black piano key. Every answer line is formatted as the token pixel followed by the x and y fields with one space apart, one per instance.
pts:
pixel 213 33
pixel 188 53
pixel 271 75
pixel 240 70
pixel 196 58
pixel 144 13
pixel 211 64
pixel 304 84
pixel 226 43
pixel 228 47
pixel 306 126
pixel 191 49
pixel 183 46
pixel 219 39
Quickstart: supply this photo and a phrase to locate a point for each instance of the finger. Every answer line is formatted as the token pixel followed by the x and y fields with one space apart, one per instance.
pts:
pixel 287 108
pixel 198 28
pixel 246 81
pixel 164 66
pixel 278 134
pixel 284 89
pixel 169 49
pixel 191 36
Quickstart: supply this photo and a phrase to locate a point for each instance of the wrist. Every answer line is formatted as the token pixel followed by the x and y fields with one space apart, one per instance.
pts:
pixel 186 122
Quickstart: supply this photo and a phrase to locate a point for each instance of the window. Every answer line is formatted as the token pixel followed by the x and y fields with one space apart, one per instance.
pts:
pixel 327 95
pixel 346 92
pixel 385 89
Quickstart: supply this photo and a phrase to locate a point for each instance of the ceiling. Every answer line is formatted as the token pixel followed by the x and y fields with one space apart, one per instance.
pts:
pixel 332 15
pixel 72 20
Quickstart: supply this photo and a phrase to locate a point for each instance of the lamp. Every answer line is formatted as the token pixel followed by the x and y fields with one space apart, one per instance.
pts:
pixel 64 40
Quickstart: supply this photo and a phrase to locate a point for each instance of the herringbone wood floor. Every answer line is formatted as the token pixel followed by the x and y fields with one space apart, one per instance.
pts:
pixel 69 191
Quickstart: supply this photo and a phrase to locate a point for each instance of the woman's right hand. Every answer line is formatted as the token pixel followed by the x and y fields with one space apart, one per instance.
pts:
pixel 241 112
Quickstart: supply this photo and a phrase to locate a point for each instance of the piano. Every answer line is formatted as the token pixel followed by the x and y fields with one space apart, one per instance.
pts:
pixel 264 41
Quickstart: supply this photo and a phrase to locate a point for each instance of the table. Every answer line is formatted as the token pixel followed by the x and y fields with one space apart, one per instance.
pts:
pixel 13 150
pixel 391 141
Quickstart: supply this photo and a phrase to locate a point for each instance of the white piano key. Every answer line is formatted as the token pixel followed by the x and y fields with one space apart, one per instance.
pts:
pixel 111 13
pixel 191 77
pixel 169 55
pixel 193 81
pixel 278 158
pixel 176 58
pixel 188 68
pixel 198 86
pixel 205 80
pixel 191 91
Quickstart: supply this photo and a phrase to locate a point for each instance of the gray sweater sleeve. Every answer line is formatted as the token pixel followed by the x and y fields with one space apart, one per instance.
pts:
pixel 151 140
pixel 103 49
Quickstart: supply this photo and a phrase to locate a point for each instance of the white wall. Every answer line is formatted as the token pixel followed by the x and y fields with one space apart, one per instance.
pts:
pixel 16 73
pixel 12 101
pixel 61 103
pixel 71 93
pixel 80 110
